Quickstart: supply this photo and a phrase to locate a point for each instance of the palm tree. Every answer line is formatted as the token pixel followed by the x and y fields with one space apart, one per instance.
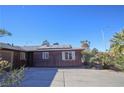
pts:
pixel 117 46
pixel 45 43
pixel 85 44
pixel 3 32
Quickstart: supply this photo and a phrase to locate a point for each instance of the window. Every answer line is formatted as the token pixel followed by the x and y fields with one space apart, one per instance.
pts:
pixel 45 55
pixel 22 56
pixel 68 55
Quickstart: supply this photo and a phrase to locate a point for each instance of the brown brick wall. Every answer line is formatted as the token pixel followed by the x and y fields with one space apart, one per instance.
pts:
pixel 6 55
pixel 55 59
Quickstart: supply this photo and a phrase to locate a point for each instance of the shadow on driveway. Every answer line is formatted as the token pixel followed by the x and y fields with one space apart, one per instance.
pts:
pixel 38 77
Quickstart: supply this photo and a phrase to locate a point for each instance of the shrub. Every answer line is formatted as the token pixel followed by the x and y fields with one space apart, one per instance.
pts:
pixel 12 77
pixel 4 65
pixel 104 59
pixel 119 62
pixel 86 55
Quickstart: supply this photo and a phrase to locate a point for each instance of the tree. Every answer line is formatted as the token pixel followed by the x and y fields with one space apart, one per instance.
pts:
pixel 117 46
pixel 56 43
pixel 3 32
pixel 117 49
pixel 86 55
pixel 94 51
pixel 45 43
pixel 85 44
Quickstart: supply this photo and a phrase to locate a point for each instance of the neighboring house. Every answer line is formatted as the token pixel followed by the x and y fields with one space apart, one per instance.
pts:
pixel 41 56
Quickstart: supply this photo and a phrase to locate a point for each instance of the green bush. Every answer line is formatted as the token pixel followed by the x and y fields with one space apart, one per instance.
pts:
pixel 119 62
pixel 104 59
pixel 4 65
pixel 86 55
pixel 11 77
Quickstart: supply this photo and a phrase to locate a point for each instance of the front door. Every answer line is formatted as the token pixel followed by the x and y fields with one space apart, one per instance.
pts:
pixel 29 59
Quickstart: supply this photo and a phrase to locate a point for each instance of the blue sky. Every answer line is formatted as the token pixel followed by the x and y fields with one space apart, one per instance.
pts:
pixel 30 25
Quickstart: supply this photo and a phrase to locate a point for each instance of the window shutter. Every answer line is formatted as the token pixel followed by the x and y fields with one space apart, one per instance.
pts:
pixel 45 55
pixel 73 55
pixel 63 55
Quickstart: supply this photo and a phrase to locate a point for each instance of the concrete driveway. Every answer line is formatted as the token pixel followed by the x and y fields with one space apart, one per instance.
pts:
pixel 53 77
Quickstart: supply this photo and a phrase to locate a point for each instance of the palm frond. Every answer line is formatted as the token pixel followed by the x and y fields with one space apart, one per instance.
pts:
pixel 3 32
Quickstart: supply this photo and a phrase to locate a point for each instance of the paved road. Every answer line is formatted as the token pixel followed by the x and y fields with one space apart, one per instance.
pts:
pixel 52 77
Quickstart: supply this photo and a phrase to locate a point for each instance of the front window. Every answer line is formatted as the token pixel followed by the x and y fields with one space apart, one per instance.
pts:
pixel 45 55
pixel 68 55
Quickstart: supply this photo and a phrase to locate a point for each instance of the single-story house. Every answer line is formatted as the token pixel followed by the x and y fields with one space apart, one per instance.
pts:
pixel 41 56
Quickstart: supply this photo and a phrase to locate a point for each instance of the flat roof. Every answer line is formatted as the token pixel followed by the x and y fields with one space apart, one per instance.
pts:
pixel 38 48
